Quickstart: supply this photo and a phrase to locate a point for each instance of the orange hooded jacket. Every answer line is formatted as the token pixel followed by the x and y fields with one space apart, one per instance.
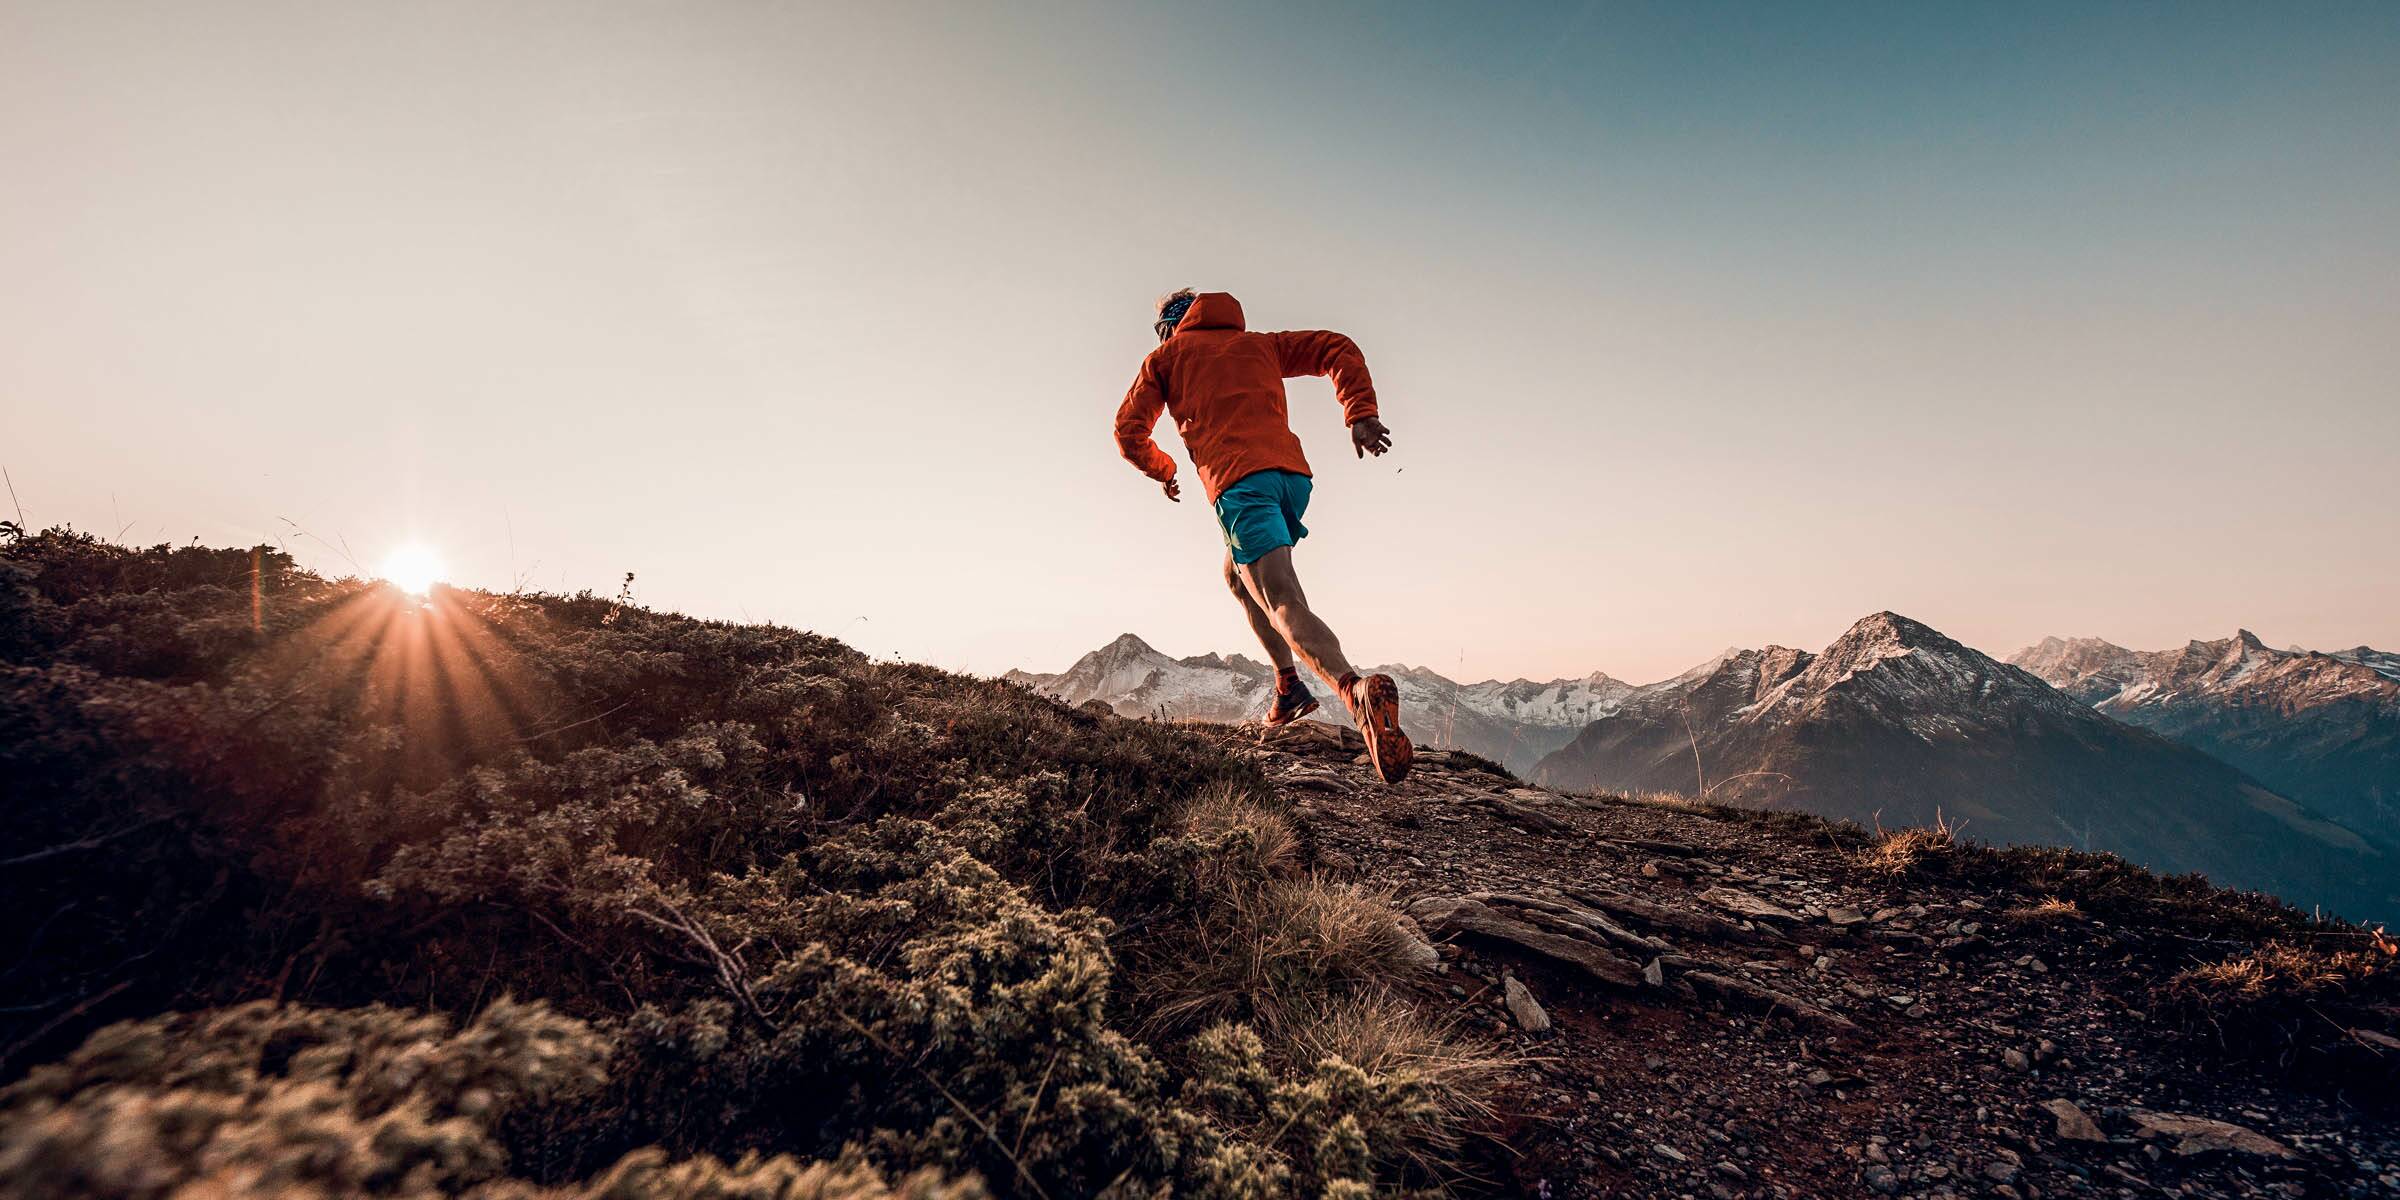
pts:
pixel 1224 386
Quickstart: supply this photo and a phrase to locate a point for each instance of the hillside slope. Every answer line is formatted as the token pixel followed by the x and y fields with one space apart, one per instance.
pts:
pixel 347 894
pixel 1895 723
pixel 1727 1002
pixel 330 892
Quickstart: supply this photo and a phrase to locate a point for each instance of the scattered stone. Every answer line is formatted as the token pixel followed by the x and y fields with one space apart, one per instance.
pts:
pixel 1524 1007
pixel 1417 951
pixel 1670 1153
pixel 2015 1059
pixel 2074 1124
pixel 1844 917
pixel 1654 973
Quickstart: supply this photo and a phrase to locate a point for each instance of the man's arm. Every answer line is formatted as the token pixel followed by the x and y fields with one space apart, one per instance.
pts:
pixel 1324 352
pixel 1136 417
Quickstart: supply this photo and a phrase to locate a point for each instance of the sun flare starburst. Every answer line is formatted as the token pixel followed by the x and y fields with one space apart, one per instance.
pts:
pixel 413 567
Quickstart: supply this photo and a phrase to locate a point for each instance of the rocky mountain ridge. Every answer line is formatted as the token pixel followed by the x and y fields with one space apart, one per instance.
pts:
pixel 1513 722
pixel 1895 724
pixel 2323 728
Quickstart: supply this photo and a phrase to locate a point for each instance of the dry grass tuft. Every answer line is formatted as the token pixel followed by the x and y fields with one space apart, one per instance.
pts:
pixel 1384 1035
pixel 2332 1008
pixel 1671 801
pixel 1918 851
pixel 1387 1037
pixel 2051 910
pixel 1280 946
pixel 2283 972
pixel 1225 809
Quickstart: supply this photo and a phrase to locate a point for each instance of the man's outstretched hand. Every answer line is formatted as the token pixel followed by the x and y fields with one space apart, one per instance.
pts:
pixel 1369 436
pixel 1174 491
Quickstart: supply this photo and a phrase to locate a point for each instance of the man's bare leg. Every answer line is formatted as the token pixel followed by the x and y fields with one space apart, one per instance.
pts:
pixel 1274 592
pixel 1374 702
pixel 1278 650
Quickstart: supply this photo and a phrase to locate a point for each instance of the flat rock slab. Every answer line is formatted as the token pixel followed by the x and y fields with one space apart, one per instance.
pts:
pixel 2200 1135
pixel 1735 900
pixel 1694 922
pixel 1457 915
pixel 1741 993
pixel 1526 815
pixel 1572 920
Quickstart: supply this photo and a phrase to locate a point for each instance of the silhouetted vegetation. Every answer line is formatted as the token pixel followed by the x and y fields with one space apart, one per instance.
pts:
pixel 553 895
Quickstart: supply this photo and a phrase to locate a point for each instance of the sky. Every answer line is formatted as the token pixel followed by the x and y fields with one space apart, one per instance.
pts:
pixel 1695 325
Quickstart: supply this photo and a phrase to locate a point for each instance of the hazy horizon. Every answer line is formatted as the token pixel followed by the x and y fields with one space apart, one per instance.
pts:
pixel 1695 327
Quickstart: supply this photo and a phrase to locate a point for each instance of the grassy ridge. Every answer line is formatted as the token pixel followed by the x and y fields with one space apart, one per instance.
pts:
pixel 555 895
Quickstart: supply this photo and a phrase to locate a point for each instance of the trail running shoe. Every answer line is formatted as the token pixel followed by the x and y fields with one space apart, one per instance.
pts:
pixel 1289 707
pixel 1375 705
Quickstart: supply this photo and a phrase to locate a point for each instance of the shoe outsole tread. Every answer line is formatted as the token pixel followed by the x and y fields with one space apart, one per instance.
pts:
pixel 1276 718
pixel 1376 709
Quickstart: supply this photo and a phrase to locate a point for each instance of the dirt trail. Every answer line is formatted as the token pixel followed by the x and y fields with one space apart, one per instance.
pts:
pixel 1737 1008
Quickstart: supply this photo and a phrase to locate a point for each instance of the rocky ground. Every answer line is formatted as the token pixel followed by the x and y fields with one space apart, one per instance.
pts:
pixel 1715 1003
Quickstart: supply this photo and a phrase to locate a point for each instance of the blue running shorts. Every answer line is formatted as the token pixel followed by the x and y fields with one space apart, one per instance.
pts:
pixel 1261 511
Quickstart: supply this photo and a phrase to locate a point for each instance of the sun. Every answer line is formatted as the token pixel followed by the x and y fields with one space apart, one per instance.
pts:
pixel 413 567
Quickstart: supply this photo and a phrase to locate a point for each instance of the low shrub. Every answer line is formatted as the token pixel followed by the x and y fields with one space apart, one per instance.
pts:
pixel 261 1099
pixel 794 922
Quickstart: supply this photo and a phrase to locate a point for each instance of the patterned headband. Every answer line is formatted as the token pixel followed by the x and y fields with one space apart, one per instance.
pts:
pixel 1173 312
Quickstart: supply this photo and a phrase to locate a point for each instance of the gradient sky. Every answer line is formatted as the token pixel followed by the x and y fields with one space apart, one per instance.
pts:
pixel 1695 325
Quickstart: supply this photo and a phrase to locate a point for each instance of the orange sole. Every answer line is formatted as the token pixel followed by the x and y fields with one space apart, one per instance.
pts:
pixel 1387 748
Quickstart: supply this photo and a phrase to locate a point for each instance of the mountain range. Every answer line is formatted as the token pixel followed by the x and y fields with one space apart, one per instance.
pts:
pixel 1894 725
pixel 2320 727
pixel 2260 768
pixel 1514 723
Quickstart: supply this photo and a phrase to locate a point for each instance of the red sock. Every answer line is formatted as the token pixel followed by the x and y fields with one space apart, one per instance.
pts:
pixel 1287 680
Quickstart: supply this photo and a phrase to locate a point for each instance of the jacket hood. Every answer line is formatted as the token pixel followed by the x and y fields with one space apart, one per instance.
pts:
pixel 1213 310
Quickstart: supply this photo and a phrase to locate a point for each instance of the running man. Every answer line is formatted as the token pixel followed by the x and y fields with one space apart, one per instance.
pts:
pixel 1224 385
